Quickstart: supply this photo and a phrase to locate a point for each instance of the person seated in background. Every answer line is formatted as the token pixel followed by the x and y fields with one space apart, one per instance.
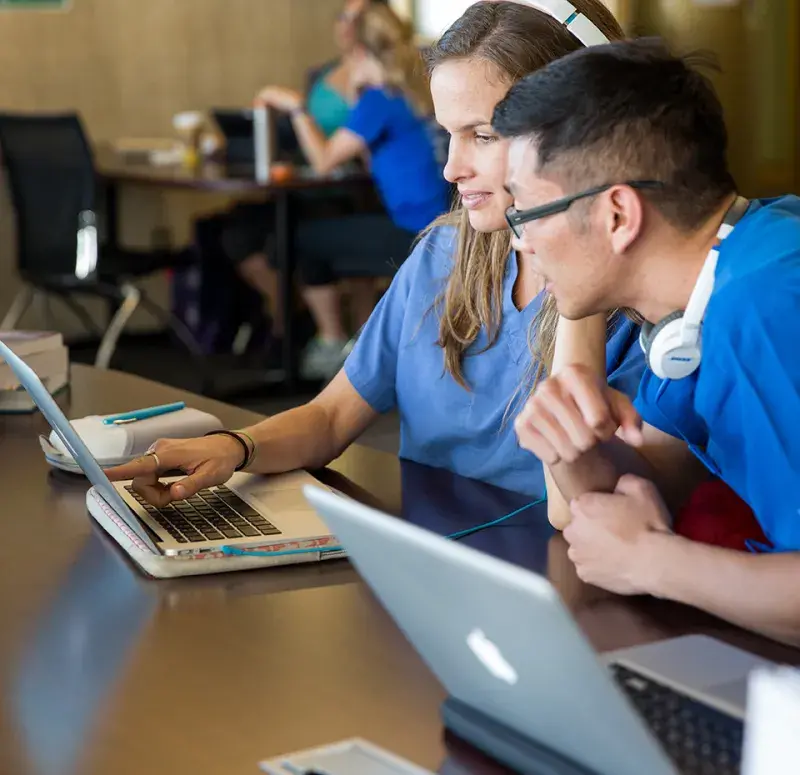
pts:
pixel 718 280
pixel 330 95
pixel 448 345
pixel 388 124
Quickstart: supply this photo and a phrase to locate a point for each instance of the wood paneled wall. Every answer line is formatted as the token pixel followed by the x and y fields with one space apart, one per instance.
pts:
pixel 129 65
pixel 757 45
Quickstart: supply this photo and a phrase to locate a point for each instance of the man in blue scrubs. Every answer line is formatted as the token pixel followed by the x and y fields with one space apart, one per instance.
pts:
pixel 626 145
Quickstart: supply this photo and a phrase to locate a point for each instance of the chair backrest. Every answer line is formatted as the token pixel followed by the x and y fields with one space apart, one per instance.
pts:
pixel 51 177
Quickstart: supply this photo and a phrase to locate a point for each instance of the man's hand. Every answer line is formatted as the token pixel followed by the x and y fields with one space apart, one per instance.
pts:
pixel 611 536
pixel 571 413
pixel 280 98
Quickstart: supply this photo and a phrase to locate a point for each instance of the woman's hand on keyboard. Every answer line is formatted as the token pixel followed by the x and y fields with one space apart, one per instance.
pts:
pixel 206 461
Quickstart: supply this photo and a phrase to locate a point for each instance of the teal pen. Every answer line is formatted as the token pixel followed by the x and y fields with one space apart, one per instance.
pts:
pixel 143 414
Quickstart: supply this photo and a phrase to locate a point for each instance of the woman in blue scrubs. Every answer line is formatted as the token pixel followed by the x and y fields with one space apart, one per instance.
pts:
pixel 450 344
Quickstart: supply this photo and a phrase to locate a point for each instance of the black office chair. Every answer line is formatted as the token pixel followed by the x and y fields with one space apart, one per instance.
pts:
pixel 52 180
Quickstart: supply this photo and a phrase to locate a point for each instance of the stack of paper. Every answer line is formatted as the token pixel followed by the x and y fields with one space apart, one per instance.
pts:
pixel 45 353
pixel 772 729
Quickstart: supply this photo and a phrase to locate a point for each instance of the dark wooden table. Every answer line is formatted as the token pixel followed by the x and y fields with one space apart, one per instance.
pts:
pixel 104 671
pixel 117 170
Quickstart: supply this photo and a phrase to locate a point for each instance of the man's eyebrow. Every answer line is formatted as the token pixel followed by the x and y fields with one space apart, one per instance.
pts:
pixel 473 125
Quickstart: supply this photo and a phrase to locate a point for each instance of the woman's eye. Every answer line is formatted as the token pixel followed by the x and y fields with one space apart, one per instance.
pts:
pixel 485 139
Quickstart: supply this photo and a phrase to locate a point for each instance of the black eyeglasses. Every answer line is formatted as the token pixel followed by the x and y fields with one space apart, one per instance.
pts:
pixel 517 219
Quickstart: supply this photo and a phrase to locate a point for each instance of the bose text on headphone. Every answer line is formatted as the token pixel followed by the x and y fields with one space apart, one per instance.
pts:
pixel 565 13
pixel 673 346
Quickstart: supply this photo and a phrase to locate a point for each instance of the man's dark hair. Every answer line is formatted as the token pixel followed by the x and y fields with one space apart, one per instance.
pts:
pixel 628 110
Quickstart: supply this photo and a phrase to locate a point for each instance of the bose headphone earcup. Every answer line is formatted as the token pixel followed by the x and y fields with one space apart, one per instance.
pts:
pixel 650 331
pixel 673 347
pixel 666 356
pixel 646 336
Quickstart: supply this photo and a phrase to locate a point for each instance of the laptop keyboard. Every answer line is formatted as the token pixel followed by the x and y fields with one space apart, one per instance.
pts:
pixel 212 515
pixel 699 740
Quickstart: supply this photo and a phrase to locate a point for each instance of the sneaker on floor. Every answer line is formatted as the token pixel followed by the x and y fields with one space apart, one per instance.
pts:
pixel 321 359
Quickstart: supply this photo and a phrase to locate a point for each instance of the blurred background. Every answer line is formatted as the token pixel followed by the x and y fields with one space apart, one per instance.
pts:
pixel 127 69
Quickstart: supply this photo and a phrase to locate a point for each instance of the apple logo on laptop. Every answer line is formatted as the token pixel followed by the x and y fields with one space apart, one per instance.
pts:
pixel 491 658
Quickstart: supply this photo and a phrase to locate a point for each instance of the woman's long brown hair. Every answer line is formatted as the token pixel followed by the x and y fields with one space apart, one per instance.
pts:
pixel 517 40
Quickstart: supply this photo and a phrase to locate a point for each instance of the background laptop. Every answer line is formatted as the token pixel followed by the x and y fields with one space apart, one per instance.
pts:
pixel 238 128
pixel 250 511
pixel 500 641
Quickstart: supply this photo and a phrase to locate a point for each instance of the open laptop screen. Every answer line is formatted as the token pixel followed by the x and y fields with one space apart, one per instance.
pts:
pixel 73 442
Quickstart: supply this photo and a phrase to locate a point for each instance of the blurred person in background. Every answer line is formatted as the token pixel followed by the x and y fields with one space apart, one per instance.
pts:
pixel 330 95
pixel 389 124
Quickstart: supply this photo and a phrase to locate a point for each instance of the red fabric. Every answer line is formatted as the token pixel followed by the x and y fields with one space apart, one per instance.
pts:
pixel 716 515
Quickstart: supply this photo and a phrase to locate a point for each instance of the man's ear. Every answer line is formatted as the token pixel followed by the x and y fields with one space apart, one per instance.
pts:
pixel 623 217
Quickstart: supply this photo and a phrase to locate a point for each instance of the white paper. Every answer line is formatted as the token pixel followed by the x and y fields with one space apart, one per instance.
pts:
pixel 348 757
pixel 772 728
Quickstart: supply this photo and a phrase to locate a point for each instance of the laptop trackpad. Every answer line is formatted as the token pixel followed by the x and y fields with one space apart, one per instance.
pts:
pixel 696 662
pixel 733 693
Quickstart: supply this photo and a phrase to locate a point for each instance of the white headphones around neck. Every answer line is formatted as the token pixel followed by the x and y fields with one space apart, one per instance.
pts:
pixel 565 13
pixel 673 346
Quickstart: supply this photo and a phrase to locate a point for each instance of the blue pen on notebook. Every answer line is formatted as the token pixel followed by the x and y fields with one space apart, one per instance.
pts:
pixel 143 414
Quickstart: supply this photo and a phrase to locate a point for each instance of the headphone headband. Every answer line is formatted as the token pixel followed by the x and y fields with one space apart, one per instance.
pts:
pixel 698 301
pixel 564 12
pixel 673 346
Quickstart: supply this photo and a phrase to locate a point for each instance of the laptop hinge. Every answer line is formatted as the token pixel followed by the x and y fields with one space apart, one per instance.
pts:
pixel 505 745
pixel 154 537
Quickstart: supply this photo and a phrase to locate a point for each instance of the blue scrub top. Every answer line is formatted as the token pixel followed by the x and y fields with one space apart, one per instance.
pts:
pixel 396 363
pixel 739 412
pixel 403 158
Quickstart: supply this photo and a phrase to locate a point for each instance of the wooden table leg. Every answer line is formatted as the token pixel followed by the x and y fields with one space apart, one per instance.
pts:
pixel 110 233
pixel 110 213
pixel 286 263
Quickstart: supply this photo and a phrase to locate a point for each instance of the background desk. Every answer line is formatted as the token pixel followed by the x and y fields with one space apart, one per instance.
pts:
pixel 103 671
pixel 117 170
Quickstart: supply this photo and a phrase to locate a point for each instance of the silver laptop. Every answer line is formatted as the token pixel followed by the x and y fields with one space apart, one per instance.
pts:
pixel 248 512
pixel 500 641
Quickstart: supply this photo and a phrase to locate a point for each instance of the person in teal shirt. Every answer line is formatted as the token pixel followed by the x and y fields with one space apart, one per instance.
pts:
pixel 329 107
pixel 390 126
